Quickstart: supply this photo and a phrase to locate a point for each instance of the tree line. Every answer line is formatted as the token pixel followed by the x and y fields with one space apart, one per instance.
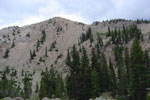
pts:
pixel 127 77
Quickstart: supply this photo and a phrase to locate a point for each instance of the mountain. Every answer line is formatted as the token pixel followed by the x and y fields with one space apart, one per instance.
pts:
pixel 34 47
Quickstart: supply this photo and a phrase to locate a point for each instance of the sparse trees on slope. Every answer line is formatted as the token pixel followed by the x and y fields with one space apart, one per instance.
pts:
pixel 9 86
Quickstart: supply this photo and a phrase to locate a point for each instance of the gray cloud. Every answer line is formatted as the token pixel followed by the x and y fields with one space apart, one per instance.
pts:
pixel 19 11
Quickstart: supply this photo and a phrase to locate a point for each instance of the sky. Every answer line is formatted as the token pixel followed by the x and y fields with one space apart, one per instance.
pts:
pixel 25 12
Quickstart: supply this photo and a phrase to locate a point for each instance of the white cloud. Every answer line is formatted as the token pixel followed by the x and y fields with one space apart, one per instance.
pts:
pixel 26 21
pixel 53 8
pixel 1 20
pixel 74 17
pixel 26 12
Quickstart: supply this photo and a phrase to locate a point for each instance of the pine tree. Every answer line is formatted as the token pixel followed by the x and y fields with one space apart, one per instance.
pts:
pixel 3 85
pixel 37 88
pixel 137 81
pixel 6 55
pixel 95 91
pixel 68 59
pixel 104 74
pixel 94 60
pixel 27 86
pixel 109 32
pixel 13 44
pixel 113 79
pixel 91 38
pixel 88 33
pixel 37 45
pixel 127 63
pixel 43 38
pixel 74 67
pixel 122 78
pixel 85 78
pixel 48 84
pixel 59 86
pixel 99 40
pixel 46 52
pixel 147 65
pixel 43 90
pixel 31 55
pixel 125 34
pixel 69 86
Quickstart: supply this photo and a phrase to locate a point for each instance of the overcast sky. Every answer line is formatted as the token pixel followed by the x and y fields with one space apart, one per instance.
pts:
pixel 24 12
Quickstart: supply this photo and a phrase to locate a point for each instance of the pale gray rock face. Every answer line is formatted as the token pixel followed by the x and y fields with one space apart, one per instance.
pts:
pixel 100 98
pixel 45 98
pixel 7 98
pixel 16 98
pixel 65 33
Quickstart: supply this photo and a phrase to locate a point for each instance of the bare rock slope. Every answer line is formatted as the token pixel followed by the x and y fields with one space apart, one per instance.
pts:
pixel 60 35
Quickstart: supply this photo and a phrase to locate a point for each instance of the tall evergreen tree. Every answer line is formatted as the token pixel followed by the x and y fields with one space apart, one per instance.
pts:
pixel 85 78
pixel 59 86
pixel 109 32
pixel 137 81
pixel 46 55
pixel 6 55
pixel 37 88
pixel 127 63
pixel 122 79
pixel 37 45
pixel 13 44
pixel 89 33
pixel 91 38
pixel 68 59
pixel 3 85
pixel 48 84
pixel 113 79
pixel 31 55
pixel 94 60
pixel 27 86
pixel 95 81
pixel 147 66
pixel 104 74
pixel 95 91
pixel 43 37
pixel 74 73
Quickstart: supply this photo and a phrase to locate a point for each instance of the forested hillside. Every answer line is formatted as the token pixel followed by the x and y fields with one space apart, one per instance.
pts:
pixel 59 58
